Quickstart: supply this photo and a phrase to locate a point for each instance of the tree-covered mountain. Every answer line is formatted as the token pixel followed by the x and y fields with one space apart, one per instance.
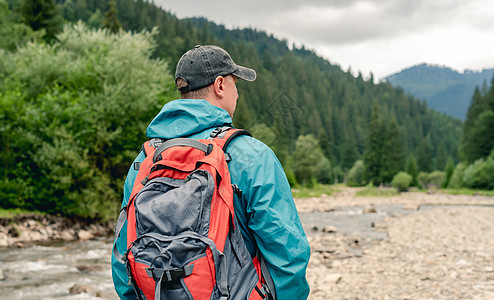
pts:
pixel 75 102
pixel 444 89
pixel 324 100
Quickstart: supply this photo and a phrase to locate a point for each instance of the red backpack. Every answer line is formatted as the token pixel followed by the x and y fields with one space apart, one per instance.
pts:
pixel 183 241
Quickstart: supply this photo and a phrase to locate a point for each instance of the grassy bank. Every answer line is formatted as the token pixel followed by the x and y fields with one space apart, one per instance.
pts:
pixel 315 191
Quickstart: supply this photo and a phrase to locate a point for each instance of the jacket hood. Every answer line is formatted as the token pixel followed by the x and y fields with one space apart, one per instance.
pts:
pixel 185 117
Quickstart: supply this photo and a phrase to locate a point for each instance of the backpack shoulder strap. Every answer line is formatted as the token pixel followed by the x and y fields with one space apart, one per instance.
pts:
pixel 222 136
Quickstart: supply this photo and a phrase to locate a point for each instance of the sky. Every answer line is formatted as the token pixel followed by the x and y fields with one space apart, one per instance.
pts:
pixel 379 36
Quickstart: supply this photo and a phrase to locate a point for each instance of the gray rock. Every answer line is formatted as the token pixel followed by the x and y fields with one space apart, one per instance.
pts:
pixel 79 289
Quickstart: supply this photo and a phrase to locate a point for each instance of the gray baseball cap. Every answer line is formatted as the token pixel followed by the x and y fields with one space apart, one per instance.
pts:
pixel 201 65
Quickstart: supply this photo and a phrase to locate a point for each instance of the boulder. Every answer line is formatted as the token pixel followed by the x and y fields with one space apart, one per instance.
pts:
pixel 84 235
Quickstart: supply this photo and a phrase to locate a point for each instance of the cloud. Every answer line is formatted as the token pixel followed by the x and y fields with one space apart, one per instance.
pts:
pixel 379 35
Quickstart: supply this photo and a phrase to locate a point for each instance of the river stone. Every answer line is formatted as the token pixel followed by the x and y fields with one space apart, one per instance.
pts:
pixel 85 235
pixel 4 242
pixel 370 210
pixel 89 268
pixel 66 235
pixel 334 278
pixel 330 229
pixel 79 289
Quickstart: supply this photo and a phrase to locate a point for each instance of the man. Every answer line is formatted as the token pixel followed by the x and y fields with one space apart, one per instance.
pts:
pixel 206 76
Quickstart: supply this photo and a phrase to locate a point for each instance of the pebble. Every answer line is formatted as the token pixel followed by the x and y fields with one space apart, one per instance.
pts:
pixel 429 254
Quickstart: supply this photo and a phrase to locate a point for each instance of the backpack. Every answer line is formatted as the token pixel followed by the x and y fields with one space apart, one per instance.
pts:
pixel 183 240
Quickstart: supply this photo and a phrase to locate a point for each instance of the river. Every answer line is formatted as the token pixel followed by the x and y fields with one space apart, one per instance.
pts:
pixel 49 271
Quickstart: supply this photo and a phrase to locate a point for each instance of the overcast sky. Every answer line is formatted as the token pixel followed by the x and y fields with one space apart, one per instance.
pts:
pixel 380 36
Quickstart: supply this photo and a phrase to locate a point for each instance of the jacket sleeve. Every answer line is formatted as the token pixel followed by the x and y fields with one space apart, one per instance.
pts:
pixel 271 216
pixel 119 272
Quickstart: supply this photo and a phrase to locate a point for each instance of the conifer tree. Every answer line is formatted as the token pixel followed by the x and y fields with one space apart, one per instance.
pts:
pixel 424 155
pixel 373 152
pixel 412 169
pixel 111 21
pixel 393 157
pixel 326 144
pixel 42 14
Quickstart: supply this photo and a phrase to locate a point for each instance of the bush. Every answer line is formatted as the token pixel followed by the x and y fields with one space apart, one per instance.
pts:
pixel 402 181
pixel 75 113
pixel 423 179
pixel 432 180
pixel 456 180
pixel 356 174
pixel 436 179
pixel 480 174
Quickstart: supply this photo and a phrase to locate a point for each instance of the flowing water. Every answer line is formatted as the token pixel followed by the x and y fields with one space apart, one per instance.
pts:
pixel 49 271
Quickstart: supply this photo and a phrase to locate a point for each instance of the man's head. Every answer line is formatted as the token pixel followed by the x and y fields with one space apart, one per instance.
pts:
pixel 208 72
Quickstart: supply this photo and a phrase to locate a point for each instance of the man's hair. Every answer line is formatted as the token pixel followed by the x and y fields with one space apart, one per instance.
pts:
pixel 197 94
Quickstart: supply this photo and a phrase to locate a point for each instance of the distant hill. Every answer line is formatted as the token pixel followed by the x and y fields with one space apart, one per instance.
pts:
pixel 444 89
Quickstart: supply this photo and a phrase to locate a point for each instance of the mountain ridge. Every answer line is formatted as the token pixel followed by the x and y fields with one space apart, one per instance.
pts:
pixel 445 89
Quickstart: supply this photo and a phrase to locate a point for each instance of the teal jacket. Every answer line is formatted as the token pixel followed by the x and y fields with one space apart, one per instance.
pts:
pixel 266 212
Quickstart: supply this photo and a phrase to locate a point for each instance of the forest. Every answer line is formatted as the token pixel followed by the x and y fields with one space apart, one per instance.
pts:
pixel 81 79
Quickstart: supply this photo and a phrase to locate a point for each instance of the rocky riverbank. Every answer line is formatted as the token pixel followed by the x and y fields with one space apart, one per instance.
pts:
pixel 28 229
pixel 443 252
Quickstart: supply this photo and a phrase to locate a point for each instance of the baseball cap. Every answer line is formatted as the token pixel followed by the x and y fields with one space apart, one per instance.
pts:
pixel 200 66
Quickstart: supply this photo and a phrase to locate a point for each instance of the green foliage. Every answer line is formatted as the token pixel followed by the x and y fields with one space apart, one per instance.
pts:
pixel 423 179
pixel 413 170
pixel 111 21
pixel 393 155
pixel 434 179
pixel 481 137
pixel 356 174
pixel 13 32
pixel 480 174
pixel 373 152
pixel 437 179
pixel 467 191
pixel 401 181
pixel 42 15
pixel 424 155
pixel 65 120
pixel 449 169
pixel 322 98
pixel 308 160
pixel 478 131
pixel 456 180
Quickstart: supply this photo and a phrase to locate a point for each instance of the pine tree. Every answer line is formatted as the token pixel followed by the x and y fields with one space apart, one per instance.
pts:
pixel 111 21
pixel 373 152
pixel 412 169
pixel 42 15
pixel 393 157
pixel 241 118
pixel 326 144
pixel 424 155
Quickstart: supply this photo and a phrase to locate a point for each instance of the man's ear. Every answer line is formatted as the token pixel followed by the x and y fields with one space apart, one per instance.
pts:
pixel 219 86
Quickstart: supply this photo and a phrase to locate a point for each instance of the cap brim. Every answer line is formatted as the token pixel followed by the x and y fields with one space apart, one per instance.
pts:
pixel 245 73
